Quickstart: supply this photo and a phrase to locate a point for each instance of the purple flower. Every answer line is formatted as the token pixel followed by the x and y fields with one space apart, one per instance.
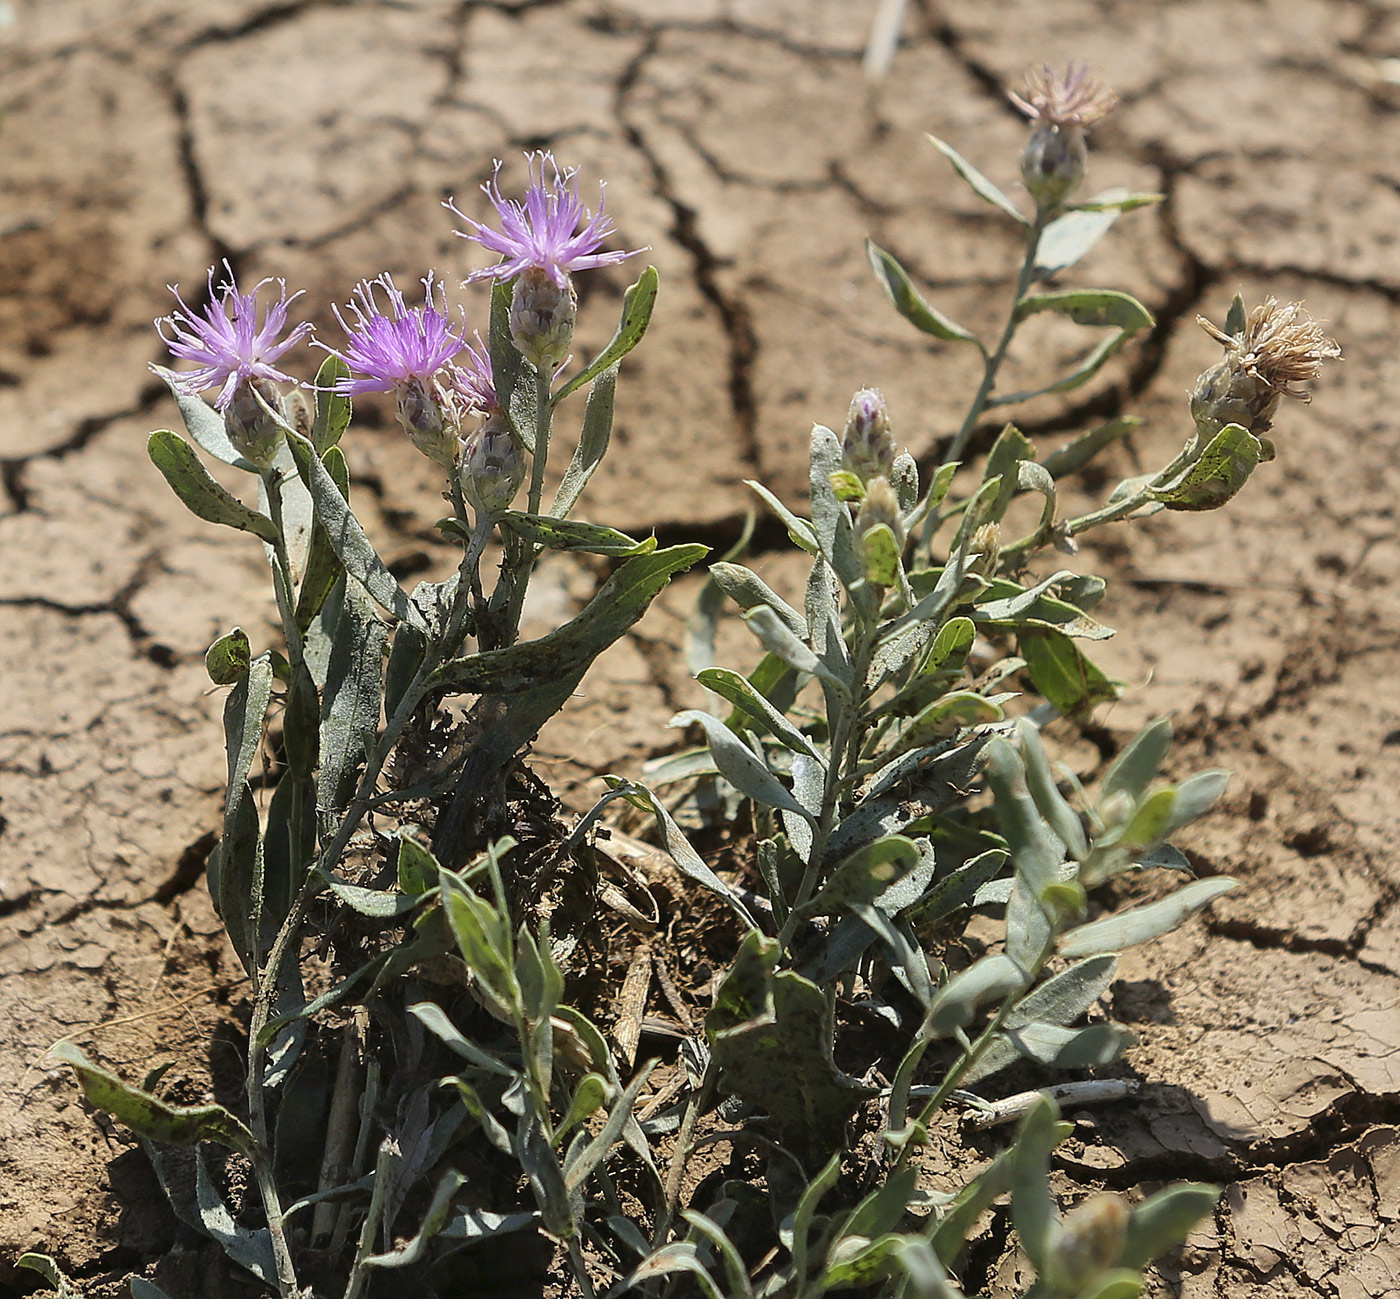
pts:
pixel 390 351
pixel 474 381
pixel 543 231
pixel 224 340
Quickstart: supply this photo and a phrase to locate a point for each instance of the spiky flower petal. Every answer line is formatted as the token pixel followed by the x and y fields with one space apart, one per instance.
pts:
pixel 225 341
pixel 387 351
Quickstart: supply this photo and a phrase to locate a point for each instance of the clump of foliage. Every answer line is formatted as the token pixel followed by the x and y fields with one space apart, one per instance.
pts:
pixel 425 1070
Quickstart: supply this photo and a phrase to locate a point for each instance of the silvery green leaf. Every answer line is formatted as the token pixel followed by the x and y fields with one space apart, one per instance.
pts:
pixel 941 720
pixel 736 1270
pixel 957 1221
pixel 592 444
pixel 579 1167
pixel 1031 477
pixel 1195 796
pixel 333 409
pixel 1117 200
pixel 298 512
pixel 50 1271
pixel 831 519
pixel 244 712
pixel 990 978
pixel 1060 1000
pixel 1071 1048
pixel 799 530
pixel 249 1249
pixel 1061 818
pixel 907 300
pixel 351 701
pixel 1069 237
pixel 1030 924
pixel 1032 1205
pixel 679 1256
pixel 434 1219
pixel 1098 308
pixel 904 478
pixel 481 1224
pixel 674 767
pixel 1035 849
pixel 323 567
pixel 1164 857
pixel 1136 767
pixel 907 958
pixel 937 776
pixel 1011 447
pixel 749 591
pixel 378 904
pixel 406 657
pixel 637 305
pixel 1075 455
pixel 347 538
pixel 865 874
pixel 960 888
pixel 809 789
pixel 619 603
pixel 567 534
pixel 981 186
pixel 778 639
pixel 1114 933
pixel 143 1289
pixel 1163 1220
pixel 204 424
pixel 201 495
pixel 1217 474
pixel 1087 368
pixel 738 764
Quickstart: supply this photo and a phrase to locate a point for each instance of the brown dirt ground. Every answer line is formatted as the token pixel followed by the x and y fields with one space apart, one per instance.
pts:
pixel 142 139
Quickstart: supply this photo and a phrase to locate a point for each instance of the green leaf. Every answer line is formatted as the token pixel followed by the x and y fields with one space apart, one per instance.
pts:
pixel 202 496
pixel 204 424
pixel 909 303
pixel 1218 474
pixel 865 875
pixel 435 1020
pixel 879 556
pixel 300 722
pixel 579 1167
pixel 351 701
pixel 1067 678
pixel 434 1220
pixel 378 904
pixel 749 591
pixel 592 444
pixel 799 530
pixel 227 660
pixel 347 538
pixel 1035 848
pixel 740 692
pixel 739 765
pixel 1195 796
pixel 1164 1220
pixel 560 534
pixel 514 377
pixel 620 602
pixel 1099 308
pixel 1087 368
pixel 981 186
pixel 1114 933
pixel 941 720
pixel 143 1289
pixel 637 305
pixel 1074 456
pixel 417 867
pixel 149 1116
pixel 49 1270
pixel 1071 236
pixel 1071 1048
pixel 1116 200
pixel 990 978
pixel 1058 814
pixel 332 409
pixel 1136 767
pixel 323 566
pixel 1235 318
pixel 1032 1206
pixel 959 1218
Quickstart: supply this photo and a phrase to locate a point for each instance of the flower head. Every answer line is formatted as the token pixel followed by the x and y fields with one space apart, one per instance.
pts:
pixel 224 339
pixel 389 351
pixel 475 382
pixel 1074 97
pixel 551 230
pixel 1278 347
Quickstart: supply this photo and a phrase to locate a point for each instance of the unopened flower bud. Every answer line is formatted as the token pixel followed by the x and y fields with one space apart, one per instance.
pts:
pixel 986 545
pixel 880 505
pixel 542 318
pixel 492 467
pixel 1090 1241
pixel 254 432
pixel 1062 105
pixel 867 445
pixel 1279 347
pixel 429 416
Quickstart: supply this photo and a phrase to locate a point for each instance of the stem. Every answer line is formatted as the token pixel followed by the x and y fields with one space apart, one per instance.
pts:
pixel 989 374
pixel 272 1207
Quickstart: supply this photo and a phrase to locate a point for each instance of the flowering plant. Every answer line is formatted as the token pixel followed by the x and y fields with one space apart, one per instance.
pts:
pixel 409 900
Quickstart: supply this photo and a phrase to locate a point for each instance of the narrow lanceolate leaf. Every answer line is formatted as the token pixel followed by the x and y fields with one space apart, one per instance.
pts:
pixel 149 1116
pixel 592 444
pixel 637 305
pixel 561 534
pixel 1069 237
pixel 982 187
pixel 894 279
pixel 332 409
pixel 740 692
pixel 748 591
pixel 203 497
pixel 1114 933
pixel 514 376
pixel 350 703
pixel 204 424
pixel 323 566
pixel 347 538
pixel 1101 308
pixel 1083 449
pixel 739 765
pixel 621 600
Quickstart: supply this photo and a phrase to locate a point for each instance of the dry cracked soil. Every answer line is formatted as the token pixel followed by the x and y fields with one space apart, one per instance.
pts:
pixel 143 140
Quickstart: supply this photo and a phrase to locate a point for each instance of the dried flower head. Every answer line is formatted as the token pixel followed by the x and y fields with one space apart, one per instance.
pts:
pixel 1278 348
pixel 550 230
pixel 225 340
pixel 388 349
pixel 1074 97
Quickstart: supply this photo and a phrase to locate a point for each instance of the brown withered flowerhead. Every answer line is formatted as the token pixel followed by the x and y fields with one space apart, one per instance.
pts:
pixel 1074 97
pixel 1278 348
pixel 1061 105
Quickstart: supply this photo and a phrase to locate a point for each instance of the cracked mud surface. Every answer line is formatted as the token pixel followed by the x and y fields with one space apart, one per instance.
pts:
pixel 143 139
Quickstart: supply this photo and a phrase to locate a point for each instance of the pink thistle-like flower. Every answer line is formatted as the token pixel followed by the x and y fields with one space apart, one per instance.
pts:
pixel 1074 97
pixel 225 341
pixel 388 352
pixel 475 382
pixel 551 229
